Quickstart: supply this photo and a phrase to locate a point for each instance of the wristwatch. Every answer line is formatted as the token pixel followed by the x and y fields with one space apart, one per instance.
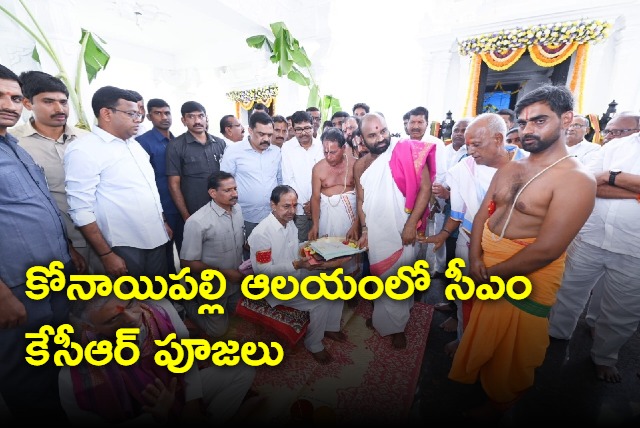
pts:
pixel 612 176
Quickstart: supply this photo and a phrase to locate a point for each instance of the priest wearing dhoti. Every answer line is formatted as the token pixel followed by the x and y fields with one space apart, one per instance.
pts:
pixel 333 197
pixel 393 190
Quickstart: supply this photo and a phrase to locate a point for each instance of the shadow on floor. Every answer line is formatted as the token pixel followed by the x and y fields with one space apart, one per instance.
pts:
pixel 566 390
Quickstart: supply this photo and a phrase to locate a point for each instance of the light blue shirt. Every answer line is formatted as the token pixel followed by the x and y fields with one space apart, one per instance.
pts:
pixel 32 229
pixel 256 173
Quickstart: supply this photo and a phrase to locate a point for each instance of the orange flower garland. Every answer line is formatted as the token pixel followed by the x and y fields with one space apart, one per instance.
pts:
pixel 551 55
pixel 576 85
pixel 472 91
pixel 502 59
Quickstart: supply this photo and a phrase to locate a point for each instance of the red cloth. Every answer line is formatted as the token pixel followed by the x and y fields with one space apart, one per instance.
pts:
pixel 408 159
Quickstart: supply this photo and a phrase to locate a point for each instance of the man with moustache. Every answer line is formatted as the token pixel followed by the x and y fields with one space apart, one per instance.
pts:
pixel 112 193
pixel 576 144
pixel 333 198
pixel 349 127
pixel 563 320
pixel 360 109
pixel 393 194
pixel 155 142
pixel 280 130
pixel 602 262
pixel 46 137
pixel 214 239
pixel 32 234
pixel 338 118
pixel 317 117
pixel 191 158
pixel 522 228
pixel 623 124
pixel 231 129
pixel 299 155
pixel 468 181
pixel 417 127
pixel 275 251
pixel 255 164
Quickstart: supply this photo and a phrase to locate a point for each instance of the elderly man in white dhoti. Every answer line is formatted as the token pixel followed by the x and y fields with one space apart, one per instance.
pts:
pixel 393 185
pixel 333 197
pixel 469 180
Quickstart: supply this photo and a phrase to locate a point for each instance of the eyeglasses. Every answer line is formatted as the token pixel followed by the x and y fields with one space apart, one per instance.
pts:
pixel 131 114
pixel 577 125
pixel 617 132
pixel 305 129
pixel 192 116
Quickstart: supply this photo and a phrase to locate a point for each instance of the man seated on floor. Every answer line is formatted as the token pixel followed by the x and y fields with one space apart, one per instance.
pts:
pixel 275 251
pixel 145 393
pixel 214 239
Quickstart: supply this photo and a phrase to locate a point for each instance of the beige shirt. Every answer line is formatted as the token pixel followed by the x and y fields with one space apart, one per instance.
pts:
pixel 214 236
pixel 49 154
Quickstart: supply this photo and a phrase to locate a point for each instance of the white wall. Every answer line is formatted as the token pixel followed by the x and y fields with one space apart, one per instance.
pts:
pixel 394 56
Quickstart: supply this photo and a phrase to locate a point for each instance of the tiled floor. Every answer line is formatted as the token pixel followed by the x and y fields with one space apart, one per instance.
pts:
pixel 566 390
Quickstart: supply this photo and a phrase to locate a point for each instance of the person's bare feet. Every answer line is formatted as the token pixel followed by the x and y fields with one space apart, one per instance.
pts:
pixel 338 336
pixel 399 340
pixel 323 357
pixel 608 373
pixel 451 348
pixel 449 325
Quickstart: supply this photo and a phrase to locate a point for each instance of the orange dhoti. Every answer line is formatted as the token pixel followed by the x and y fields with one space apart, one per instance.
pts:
pixel 506 340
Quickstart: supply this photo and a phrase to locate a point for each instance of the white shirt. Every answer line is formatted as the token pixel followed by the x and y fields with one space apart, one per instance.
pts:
pixel 614 223
pixel 581 149
pixel 297 163
pixel 282 242
pixel 446 159
pixel 228 141
pixel 111 181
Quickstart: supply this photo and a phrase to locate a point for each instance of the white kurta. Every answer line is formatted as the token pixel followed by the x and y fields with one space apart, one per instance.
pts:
pixel 604 254
pixel 271 235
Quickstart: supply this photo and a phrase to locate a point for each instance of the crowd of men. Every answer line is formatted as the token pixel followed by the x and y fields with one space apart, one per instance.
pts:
pixel 515 193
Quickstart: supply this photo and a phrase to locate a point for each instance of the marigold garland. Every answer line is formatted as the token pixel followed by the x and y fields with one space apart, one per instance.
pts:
pixel 258 94
pixel 584 31
pixel 551 55
pixel 472 90
pixel 503 59
pixel 583 74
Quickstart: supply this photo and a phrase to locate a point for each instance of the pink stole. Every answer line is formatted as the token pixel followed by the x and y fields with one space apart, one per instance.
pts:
pixel 408 159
